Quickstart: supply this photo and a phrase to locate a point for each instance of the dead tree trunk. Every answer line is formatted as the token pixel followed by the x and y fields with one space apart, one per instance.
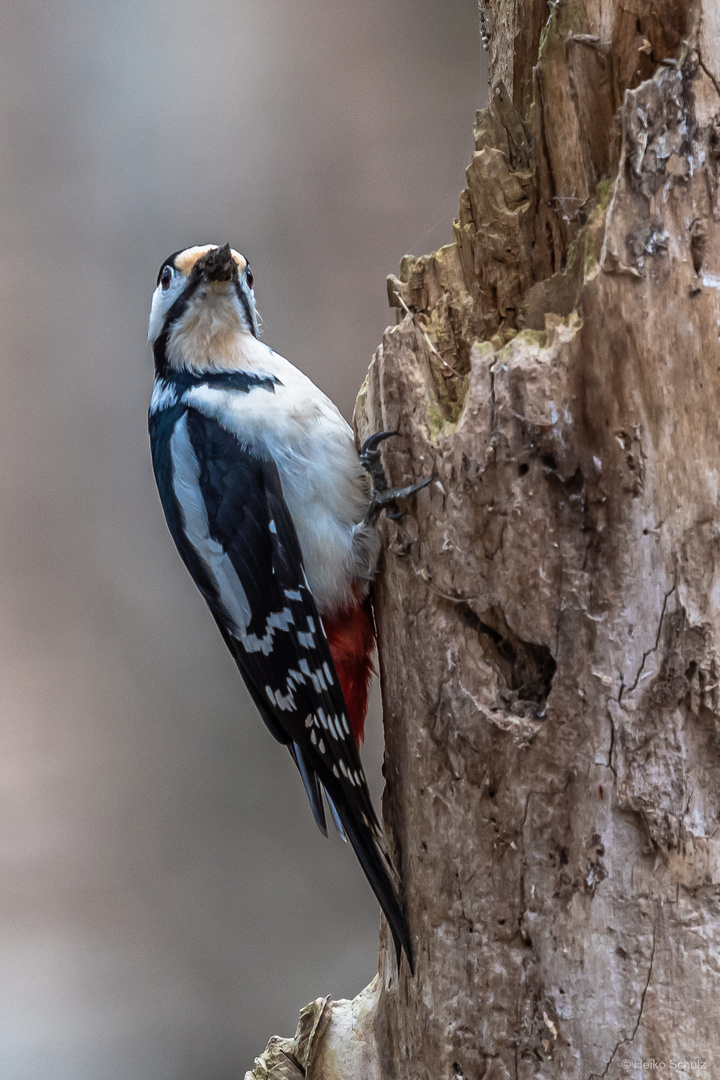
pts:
pixel 549 614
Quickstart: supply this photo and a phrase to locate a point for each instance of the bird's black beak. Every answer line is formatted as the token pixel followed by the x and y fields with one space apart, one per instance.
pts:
pixel 218 265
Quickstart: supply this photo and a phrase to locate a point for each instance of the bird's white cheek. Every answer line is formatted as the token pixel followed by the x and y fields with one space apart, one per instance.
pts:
pixel 162 301
pixel 157 312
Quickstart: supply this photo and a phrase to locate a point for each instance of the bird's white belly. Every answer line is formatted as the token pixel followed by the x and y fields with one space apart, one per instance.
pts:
pixel 321 504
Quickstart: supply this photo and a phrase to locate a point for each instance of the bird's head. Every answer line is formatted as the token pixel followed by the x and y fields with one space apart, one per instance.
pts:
pixel 203 309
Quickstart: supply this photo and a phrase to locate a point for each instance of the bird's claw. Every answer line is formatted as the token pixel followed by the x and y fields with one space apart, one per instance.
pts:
pixel 387 500
pixel 373 441
pixel 370 459
pixel 384 497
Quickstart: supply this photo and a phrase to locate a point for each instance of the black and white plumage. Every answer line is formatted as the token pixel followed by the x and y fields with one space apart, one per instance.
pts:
pixel 266 500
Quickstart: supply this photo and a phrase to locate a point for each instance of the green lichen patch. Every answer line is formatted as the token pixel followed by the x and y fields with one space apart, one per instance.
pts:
pixel 524 337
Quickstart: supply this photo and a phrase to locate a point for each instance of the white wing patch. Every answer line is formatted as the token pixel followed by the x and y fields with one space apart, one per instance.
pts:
pixel 186 484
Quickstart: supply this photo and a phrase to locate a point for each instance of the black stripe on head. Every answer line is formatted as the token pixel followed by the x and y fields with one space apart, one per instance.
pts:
pixel 246 306
pixel 170 261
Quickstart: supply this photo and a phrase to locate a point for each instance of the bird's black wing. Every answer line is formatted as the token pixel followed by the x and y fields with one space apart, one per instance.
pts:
pixel 226 511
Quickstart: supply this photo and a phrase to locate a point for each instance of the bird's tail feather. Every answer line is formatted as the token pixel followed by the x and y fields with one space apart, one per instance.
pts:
pixel 312 787
pixel 336 818
pixel 375 866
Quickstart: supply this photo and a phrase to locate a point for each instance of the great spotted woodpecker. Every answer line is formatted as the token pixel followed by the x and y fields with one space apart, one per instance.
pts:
pixel 274 515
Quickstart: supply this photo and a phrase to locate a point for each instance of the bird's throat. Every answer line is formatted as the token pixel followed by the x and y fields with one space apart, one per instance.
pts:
pixel 210 335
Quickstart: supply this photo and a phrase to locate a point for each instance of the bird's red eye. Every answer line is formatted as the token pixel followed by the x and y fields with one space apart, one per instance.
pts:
pixel 249 277
pixel 166 278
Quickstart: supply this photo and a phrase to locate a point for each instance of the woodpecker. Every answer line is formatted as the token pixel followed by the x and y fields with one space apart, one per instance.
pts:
pixel 274 513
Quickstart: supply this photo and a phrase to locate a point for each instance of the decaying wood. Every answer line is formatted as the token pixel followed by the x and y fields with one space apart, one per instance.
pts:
pixel 549 610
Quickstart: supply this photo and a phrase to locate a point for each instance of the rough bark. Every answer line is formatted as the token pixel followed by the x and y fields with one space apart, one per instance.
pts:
pixel 549 611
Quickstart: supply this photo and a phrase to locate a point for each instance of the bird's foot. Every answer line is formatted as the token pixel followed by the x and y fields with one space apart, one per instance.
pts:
pixel 382 496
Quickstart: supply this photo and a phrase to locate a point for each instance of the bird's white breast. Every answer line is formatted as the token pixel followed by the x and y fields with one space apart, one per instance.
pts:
pixel 325 487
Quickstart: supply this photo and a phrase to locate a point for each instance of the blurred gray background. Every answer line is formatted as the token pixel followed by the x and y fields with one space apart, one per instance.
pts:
pixel 166 903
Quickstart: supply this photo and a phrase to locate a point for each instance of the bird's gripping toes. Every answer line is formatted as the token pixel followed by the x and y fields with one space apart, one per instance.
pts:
pixel 383 497
pixel 273 513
